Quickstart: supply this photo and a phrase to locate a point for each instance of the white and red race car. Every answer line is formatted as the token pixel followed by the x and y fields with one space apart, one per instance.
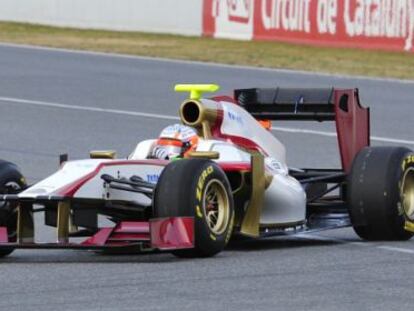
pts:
pixel 234 181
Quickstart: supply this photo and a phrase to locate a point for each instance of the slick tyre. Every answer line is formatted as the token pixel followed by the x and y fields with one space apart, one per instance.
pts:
pixel 11 182
pixel 381 193
pixel 197 188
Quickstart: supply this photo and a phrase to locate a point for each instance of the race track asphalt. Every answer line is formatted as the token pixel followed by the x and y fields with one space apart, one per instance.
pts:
pixel 325 271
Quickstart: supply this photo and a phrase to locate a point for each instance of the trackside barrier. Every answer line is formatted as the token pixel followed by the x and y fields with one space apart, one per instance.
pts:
pixel 370 24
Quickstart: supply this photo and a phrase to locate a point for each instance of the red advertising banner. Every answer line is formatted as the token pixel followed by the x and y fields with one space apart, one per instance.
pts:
pixel 370 24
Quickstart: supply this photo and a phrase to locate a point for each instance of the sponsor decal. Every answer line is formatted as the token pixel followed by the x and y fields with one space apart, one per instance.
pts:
pixel 274 166
pixel 288 15
pixel 229 18
pixel 239 11
pixel 153 178
pixel 234 116
pixel 379 24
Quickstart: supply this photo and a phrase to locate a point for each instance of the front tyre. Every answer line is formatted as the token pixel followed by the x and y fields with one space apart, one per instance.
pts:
pixel 197 188
pixel 11 182
pixel 381 193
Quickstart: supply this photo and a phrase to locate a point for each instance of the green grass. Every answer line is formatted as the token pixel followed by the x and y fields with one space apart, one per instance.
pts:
pixel 260 54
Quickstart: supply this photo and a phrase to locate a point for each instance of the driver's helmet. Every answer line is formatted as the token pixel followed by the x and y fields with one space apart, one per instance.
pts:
pixel 175 141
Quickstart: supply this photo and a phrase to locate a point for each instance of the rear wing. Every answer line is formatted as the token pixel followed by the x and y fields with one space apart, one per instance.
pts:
pixel 328 104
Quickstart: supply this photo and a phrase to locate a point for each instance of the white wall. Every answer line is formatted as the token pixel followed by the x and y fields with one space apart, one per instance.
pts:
pixel 160 16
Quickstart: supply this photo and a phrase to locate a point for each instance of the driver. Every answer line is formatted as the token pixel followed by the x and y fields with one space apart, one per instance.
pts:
pixel 175 141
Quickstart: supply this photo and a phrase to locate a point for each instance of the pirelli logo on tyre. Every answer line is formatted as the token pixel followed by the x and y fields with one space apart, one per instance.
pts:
pixel 202 180
pixel 407 161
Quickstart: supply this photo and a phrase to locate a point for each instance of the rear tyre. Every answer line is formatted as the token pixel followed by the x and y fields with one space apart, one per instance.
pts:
pixel 11 182
pixel 197 188
pixel 381 193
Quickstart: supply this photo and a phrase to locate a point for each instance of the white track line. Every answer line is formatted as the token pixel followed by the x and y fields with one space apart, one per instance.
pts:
pixel 11 100
pixel 86 108
pixel 208 64
pixel 364 244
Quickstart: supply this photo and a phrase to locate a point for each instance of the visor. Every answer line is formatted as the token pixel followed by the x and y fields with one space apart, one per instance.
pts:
pixel 172 151
pixel 170 142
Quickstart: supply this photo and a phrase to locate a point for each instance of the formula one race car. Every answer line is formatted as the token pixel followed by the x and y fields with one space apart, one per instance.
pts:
pixel 219 174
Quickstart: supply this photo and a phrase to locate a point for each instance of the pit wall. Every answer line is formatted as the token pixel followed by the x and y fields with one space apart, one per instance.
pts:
pixel 369 24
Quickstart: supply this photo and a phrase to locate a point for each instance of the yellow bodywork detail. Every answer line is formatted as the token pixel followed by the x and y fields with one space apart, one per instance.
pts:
pixel 196 90
pixel 63 214
pixel 251 221
pixel 204 155
pixel 25 225
pixel 102 154
pixel 409 226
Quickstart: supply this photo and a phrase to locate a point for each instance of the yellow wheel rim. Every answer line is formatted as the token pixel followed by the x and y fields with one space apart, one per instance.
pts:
pixel 216 206
pixel 407 193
